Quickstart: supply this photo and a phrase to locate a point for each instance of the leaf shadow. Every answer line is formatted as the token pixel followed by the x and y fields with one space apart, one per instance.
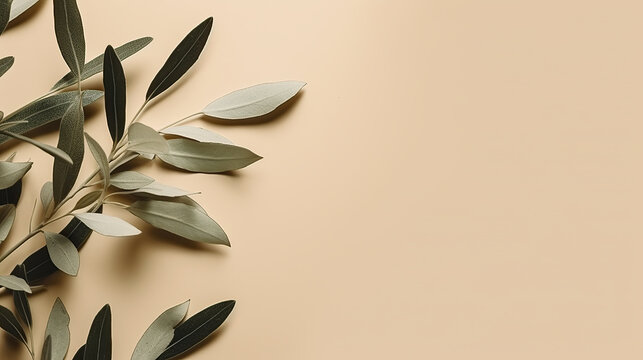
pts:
pixel 25 16
pixel 279 114
pixel 12 348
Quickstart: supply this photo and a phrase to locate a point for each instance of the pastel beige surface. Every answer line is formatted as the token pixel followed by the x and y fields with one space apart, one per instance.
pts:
pixel 458 180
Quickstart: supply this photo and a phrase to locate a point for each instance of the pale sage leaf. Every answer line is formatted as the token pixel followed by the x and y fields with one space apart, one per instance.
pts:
pixel 87 199
pixel 69 34
pixel 46 349
pixel 207 157
pixel 63 253
pixel 156 188
pixel 11 172
pixel 7 217
pixel 14 283
pixel 47 196
pixel 160 333
pixel 20 6
pixel 144 139
pixel 107 225
pixel 198 134
pixel 58 330
pixel 100 157
pixel 70 140
pixel 130 180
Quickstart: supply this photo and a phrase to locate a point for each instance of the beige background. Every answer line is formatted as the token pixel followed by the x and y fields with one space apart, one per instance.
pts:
pixel 459 179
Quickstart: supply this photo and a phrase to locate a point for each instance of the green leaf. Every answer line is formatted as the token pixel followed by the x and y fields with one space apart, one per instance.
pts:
pixel 5 64
pixel 100 157
pixel 46 349
pixel 20 298
pixel 197 328
pixel 156 188
pixel 107 225
pixel 80 354
pixel 11 325
pixel 144 139
pixel 181 59
pixel 69 34
pixel 55 152
pixel 58 330
pixel 7 216
pixel 207 157
pixel 180 219
pixel 115 94
pixel 130 180
pixel 95 65
pixel 14 283
pixel 99 340
pixel 47 197
pixel 11 195
pixel 160 333
pixel 70 141
pixel 10 172
pixel 254 101
pixel 198 134
pixel 47 110
pixel 87 200
pixel 20 6
pixel 5 12
pixel 9 124
pixel 63 253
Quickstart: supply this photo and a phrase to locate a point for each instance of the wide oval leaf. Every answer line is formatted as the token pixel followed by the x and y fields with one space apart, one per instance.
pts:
pixel 254 101
pixel 181 59
pixel 107 225
pixel 11 172
pixel 144 139
pixel 207 157
pixel 13 282
pixel 115 94
pixel 99 340
pixel 180 219
pixel 63 253
pixel 58 330
pixel 197 328
pixel 10 324
pixel 198 134
pixel 5 64
pixel 160 333
pixel 70 140
pixel 7 217
pixel 130 180
pixel 69 34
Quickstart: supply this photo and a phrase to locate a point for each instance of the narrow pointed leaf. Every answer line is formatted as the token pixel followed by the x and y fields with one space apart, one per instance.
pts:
pixel 20 6
pixel 156 188
pixel 180 219
pixel 107 225
pixel 20 298
pixel 14 283
pixel 5 12
pixel 100 157
pixel 254 101
pixel 207 157
pixel 47 110
pixel 160 333
pixel 197 328
pixel 198 134
pixel 7 217
pixel 115 91
pixel 58 330
pixel 55 152
pixel 144 139
pixel 80 354
pixel 95 65
pixel 46 349
pixel 10 172
pixel 99 340
pixel 70 141
pixel 11 325
pixel 9 124
pixel 130 180
pixel 181 59
pixel 87 199
pixel 47 197
pixel 63 253
pixel 5 64
pixel 69 34
pixel 11 195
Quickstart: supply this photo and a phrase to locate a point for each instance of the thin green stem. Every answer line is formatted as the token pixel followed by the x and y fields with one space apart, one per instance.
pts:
pixel 181 120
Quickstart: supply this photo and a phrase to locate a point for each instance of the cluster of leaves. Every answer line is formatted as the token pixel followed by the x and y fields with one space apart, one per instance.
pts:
pixel 163 206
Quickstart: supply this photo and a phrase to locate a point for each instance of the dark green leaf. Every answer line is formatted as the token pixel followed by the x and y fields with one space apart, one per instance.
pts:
pixel 69 34
pixel 11 195
pixel 99 340
pixel 20 298
pixel 115 95
pixel 207 157
pixel 70 141
pixel 160 333
pixel 7 217
pixel 95 65
pixel 59 154
pixel 80 354
pixel 197 328
pixel 58 330
pixel 11 325
pixel 87 199
pixel 5 12
pixel 181 59
pixel 5 64
pixel 11 172
pixel 46 110
pixel 46 349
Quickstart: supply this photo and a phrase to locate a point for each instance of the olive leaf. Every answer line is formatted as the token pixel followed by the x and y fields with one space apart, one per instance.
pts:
pixel 107 225
pixel 181 59
pixel 100 157
pixel 70 141
pixel 11 172
pixel 197 328
pixel 58 330
pixel 63 253
pixel 207 157
pixel 20 6
pixel 11 195
pixel 5 64
pixel 198 134
pixel 14 283
pixel 80 354
pixel 44 147
pixel 20 298
pixel 10 324
pixel 9 124
pixel 69 34
pixel 46 349
pixel 144 139
pixel 180 219
pixel 47 197
pixel 130 180
pixel 254 101
pixel 87 199
pixel 7 216
pixel 95 65
pixel 156 188
pixel 46 110
pixel 99 340
pixel 5 12
pixel 115 94
pixel 160 333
